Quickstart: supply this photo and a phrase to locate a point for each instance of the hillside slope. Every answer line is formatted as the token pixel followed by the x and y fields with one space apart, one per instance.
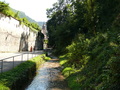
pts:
pixel 22 15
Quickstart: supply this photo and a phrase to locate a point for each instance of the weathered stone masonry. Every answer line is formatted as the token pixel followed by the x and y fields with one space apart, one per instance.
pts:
pixel 15 37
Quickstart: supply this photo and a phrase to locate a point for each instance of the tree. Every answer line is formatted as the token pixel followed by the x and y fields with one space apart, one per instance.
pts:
pixel 3 7
pixel 60 25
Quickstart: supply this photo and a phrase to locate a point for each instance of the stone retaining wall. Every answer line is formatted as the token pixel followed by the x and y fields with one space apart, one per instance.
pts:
pixel 15 37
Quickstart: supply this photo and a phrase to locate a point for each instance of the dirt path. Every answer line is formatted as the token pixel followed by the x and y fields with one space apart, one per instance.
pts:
pixel 49 77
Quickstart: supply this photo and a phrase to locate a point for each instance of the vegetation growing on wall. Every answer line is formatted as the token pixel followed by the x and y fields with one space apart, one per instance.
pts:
pixel 5 9
pixel 87 33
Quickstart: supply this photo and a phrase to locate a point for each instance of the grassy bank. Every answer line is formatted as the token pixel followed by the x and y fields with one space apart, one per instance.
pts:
pixel 18 77
pixel 93 64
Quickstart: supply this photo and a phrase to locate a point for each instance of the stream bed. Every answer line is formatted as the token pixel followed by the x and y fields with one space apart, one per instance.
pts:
pixel 49 77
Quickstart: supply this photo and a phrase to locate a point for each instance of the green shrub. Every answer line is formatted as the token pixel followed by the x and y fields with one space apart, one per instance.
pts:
pixel 16 78
pixel 93 63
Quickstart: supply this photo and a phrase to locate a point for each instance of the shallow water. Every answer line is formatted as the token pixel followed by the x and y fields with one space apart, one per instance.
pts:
pixel 49 77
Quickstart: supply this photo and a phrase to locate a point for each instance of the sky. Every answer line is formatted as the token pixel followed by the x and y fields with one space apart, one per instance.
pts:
pixel 35 9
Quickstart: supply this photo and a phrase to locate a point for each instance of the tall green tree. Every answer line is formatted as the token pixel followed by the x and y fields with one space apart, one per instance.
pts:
pixel 60 26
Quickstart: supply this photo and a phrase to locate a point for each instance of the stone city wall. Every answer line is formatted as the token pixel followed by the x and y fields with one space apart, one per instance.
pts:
pixel 15 37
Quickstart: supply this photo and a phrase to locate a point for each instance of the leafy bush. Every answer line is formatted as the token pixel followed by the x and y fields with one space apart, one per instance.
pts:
pixel 3 7
pixel 77 51
pixel 93 63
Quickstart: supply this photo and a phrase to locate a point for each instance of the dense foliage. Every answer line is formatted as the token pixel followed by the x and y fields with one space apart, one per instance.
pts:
pixel 5 9
pixel 87 32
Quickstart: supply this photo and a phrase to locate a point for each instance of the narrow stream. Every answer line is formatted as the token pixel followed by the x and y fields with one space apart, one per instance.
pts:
pixel 49 77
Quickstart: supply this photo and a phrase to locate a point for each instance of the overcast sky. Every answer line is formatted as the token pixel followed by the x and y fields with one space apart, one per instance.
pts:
pixel 36 9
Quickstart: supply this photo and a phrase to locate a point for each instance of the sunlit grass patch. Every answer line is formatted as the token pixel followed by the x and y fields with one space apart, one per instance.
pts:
pixel 63 60
pixel 68 71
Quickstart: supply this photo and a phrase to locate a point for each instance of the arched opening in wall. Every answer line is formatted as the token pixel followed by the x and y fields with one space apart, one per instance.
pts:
pixel 39 41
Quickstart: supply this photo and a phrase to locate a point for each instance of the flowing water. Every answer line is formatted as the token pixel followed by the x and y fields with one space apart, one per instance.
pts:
pixel 49 77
